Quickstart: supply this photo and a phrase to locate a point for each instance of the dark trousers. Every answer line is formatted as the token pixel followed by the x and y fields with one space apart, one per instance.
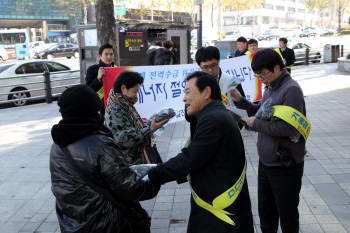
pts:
pixel 278 197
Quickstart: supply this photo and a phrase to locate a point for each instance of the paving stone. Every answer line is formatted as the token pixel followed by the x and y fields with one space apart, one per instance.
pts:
pixel 311 228
pixel 332 194
pixel 333 228
pixel 342 212
pixel 320 179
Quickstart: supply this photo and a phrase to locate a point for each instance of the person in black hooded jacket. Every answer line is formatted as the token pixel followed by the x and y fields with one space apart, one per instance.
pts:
pixel 165 56
pixel 95 189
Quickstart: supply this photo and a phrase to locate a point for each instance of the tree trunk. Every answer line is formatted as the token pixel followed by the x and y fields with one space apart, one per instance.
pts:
pixel 85 9
pixel 105 24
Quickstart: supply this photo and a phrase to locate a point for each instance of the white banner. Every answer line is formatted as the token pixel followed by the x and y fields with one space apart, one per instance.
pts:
pixel 163 86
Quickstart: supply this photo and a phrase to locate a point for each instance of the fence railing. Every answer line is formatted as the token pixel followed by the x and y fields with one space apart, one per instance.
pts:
pixel 29 88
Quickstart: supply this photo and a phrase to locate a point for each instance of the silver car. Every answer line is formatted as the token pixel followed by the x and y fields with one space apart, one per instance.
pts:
pixel 24 80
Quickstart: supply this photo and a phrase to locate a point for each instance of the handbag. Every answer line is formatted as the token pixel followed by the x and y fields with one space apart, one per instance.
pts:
pixel 151 154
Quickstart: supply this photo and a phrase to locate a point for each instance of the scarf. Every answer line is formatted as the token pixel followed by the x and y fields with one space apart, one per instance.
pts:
pixel 70 130
pixel 126 103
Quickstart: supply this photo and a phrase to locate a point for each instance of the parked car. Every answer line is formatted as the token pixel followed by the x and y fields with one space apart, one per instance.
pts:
pixel 327 32
pixel 300 53
pixel 58 50
pixel 268 35
pixel 3 55
pixel 28 76
pixel 308 33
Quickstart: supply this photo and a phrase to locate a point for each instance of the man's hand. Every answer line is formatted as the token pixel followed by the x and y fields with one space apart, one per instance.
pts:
pixel 101 73
pixel 249 121
pixel 235 95
pixel 156 125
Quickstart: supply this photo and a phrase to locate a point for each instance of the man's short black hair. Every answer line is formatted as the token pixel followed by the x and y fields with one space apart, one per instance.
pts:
pixel 205 79
pixel 168 44
pixel 127 78
pixel 103 47
pixel 284 40
pixel 268 59
pixel 206 54
pixel 242 39
pixel 252 41
pixel 159 43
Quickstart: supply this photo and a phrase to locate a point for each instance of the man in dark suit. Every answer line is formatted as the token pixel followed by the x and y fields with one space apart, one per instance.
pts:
pixel 241 46
pixel 214 160
pixel 95 73
pixel 287 54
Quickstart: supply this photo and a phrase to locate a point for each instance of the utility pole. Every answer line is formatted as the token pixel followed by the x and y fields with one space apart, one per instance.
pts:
pixel 199 4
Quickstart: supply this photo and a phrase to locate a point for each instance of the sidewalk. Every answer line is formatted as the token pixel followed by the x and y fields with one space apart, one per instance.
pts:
pixel 27 204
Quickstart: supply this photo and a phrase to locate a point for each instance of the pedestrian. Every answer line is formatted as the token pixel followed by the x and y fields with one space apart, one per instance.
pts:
pixel 165 56
pixel 95 73
pixel 252 48
pixel 95 189
pixel 129 131
pixel 151 52
pixel 208 59
pixel 215 162
pixel 281 147
pixel 241 46
pixel 287 54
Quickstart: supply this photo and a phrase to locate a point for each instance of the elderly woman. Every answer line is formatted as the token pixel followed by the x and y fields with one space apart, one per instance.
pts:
pixel 128 129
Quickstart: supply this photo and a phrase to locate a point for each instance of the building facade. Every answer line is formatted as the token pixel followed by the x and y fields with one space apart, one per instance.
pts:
pixel 43 20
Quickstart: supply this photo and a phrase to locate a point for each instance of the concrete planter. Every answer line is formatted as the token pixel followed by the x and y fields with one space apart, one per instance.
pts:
pixel 343 64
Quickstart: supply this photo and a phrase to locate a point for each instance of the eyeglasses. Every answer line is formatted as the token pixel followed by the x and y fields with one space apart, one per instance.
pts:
pixel 263 73
pixel 211 66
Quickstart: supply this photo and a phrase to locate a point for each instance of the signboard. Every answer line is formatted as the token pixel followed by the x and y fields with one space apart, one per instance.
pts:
pixel 119 10
pixel 163 86
pixel 90 37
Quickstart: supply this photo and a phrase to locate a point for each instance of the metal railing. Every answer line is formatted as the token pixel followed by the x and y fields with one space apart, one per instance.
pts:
pixel 42 90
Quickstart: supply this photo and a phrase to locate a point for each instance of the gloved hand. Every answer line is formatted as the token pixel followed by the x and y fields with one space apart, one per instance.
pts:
pixel 150 190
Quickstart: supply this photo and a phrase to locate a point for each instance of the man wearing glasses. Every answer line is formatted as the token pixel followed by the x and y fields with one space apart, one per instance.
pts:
pixel 281 142
pixel 208 59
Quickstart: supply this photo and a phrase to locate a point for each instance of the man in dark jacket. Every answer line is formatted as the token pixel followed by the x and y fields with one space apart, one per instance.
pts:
pixel 165 56
pixel 151 52
pixel 281 147
pixel 95 189
pixel 95 73
pixel 241 46
pixel 287 54
pixel 215 162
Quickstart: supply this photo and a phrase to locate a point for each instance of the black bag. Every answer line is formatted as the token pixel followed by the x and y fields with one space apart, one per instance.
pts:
pixel 151 154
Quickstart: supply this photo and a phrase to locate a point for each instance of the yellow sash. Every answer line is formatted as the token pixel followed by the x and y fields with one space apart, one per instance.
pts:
pixel 294 118
pixel 100 93
pixel 222 201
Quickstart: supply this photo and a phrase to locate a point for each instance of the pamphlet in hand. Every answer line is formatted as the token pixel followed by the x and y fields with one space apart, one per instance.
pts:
pixel 142 169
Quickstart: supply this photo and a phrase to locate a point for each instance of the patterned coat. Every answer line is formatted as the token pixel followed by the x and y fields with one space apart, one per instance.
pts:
pixel 129 139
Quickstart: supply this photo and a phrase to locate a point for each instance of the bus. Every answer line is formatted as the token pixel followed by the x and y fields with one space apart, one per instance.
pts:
pixel 15 42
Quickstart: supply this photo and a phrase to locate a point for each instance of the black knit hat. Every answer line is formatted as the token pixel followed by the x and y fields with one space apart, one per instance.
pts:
pixel 79 101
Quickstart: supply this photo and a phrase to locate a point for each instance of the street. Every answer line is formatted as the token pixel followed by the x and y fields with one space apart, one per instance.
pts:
pixel 27 204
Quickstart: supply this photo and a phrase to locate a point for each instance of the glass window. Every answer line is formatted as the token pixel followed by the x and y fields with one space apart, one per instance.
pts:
pixel 228 21
pixel 268 6
pixel 280 8
pixel 54 67
pixel 69 46
pixel 30 68
pixel 61 46
pixel 301 11
pixel 4 67
pixel 291 9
